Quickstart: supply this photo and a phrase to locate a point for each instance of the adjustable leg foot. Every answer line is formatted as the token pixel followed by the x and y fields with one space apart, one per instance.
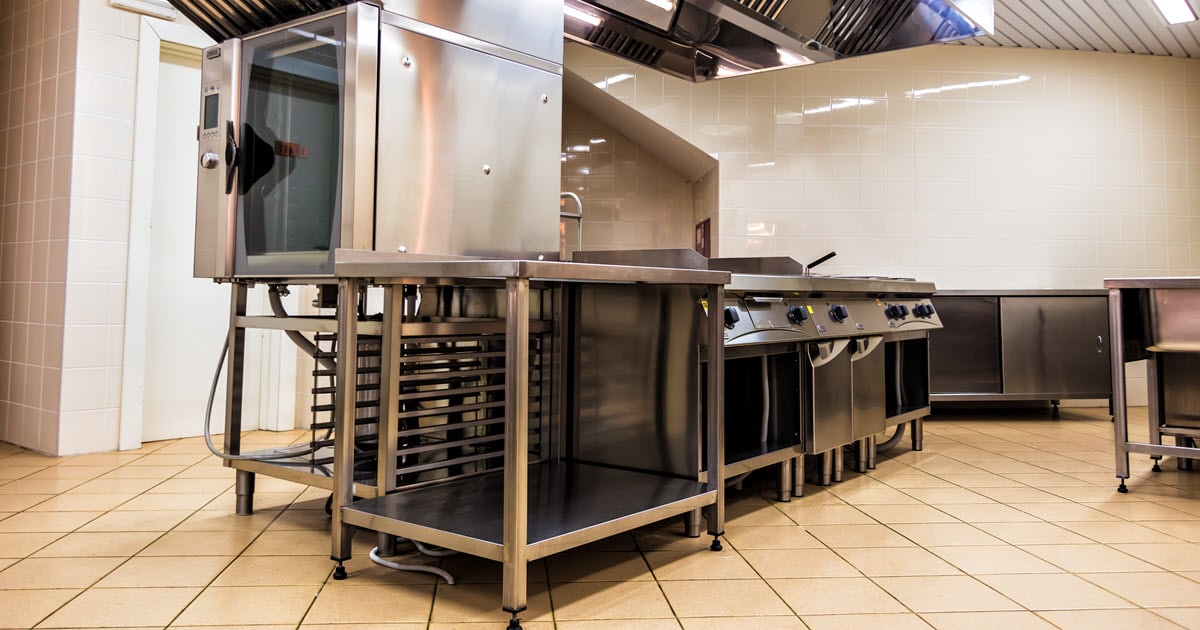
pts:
pixel 1121 488
pixel 514 623
pixel 1156 467
pixel 339 572
pixel 244 490
pixel 716 544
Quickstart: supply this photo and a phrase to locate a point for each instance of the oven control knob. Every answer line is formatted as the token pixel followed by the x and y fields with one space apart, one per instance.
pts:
pixel 903 311
pixel 796 315
pixel 892 311
pixel 839 313
pixel 210 160
pixel 731 317
pixel 919 310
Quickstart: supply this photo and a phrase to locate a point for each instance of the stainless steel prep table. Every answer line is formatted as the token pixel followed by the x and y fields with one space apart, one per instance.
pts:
pixel 1157 319
pixel 523 512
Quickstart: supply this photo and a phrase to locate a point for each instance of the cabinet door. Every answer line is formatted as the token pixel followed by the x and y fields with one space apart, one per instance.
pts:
pixel 1055 346
pixel 965 353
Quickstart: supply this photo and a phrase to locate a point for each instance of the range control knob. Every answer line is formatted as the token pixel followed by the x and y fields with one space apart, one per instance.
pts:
pixel 796 315
pixel 923 310
pixel 892 311
pixel 731 317
pixel 903 311
pixel 838 313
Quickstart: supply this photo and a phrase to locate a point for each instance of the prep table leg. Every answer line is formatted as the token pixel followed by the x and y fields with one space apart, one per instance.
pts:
pixel 798 476
pixel 1120 412
pixel 827 468
pixel 860 455
pixel 1184 462
pixel 344 413
pixel 784 492
pixel 872 445
pixel 244 488
pixel 714 417
pixel 839 463
pixel 691 523
pixel 1154 412
pixel 516 447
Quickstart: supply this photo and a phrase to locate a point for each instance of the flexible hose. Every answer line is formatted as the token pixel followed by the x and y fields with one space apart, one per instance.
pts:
pixel 892 441
pixel 297 338
pixel 420 568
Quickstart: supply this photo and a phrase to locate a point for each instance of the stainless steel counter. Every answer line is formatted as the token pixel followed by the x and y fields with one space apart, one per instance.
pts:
pixel 1157 319
pixel 1022 293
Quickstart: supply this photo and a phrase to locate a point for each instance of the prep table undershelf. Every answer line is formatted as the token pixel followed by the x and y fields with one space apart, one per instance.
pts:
pixel 569 504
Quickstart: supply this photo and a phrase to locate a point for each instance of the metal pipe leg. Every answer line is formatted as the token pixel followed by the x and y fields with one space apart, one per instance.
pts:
pixel 826 468
pixel 860 455
pixel 1183 462
pixel 839 463
pixel 785 481
pixel 918 433
pixel 798 476
pixel 386 545
pixel 691 523
pixel 872 456
pixel 244 488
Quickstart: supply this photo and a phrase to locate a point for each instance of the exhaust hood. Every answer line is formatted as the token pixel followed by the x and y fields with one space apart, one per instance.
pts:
pixel 699 40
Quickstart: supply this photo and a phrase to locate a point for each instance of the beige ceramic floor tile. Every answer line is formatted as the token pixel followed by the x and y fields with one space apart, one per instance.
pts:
pixel 295 519
pixel 24 609
pixel 70 472
pixel 1023 494
pixel 211 521
pixel 672 539
pixel 462 603
pixel 1114 532
pixel 1186 617
pixel 601 566
pixel 356 626
pixel 468 569
pixel 611 600
pixel 705 598
pixel 276 571
pixel 878 496
pixel 801 563
pixel 1170 556
pixel 993 560
pixel 169 459
pixel 1139 511
pixel 987 480
pixel 361 570
pixel 758 516
pixel 897 561
pixel 838 536
pixel 946 534
pixel 290 543
pixel 807 515
pixel 1093 619
pixel 1149 590
pixel 604 624
pixel 948 593
pixel 177 571
pixel 948 495
pixel 789 537
pixel 985 513
pixel 1000 620
pixel 1033 533
pixel 479 625
pixel 165 502
pixel 185 543
pixel 836 596
pixel 98 544
pixel 56 573
pixel 97 502
pixel 918 480
pixel 39 486
pixel 21 544
pixel 891 621
pixel 252 605
pixel 1183 530
pixel 155 473
pixel 1056 512
pixel 122 608
pixel 33 522
pixel 891 514
pixel 159 521
pixel 1094 558
pixel 18 502
pixel 200 487
pixel 739 623
pixel 1054 591
pixel 701 565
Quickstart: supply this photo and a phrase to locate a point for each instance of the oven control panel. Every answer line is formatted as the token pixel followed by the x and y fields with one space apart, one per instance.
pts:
pixel 763 319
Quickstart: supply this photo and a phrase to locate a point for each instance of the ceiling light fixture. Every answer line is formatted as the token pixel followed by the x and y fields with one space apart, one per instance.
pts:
pixel 582 16
pixel 1175 11
pixel 665 5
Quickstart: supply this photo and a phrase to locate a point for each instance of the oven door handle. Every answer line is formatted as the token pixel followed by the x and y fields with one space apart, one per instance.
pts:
pixel 231 157
pixel 864 346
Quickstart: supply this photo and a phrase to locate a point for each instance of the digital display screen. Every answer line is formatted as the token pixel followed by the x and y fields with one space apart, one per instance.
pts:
pixel 211 109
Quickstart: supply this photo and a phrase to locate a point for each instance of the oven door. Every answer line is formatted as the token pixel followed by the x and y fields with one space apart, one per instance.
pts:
pixel 828 376
pixel 307 99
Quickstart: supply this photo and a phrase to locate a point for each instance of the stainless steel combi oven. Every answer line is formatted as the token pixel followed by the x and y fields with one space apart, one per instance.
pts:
pixel 434 130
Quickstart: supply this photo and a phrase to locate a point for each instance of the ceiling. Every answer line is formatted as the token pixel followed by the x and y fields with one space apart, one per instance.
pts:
pixel 1126 26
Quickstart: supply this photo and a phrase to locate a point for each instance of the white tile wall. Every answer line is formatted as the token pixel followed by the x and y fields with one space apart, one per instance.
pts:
pixel 972 167
pixel 37 69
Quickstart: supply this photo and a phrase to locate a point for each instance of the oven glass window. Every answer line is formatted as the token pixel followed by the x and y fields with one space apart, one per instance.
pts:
pixel 289 164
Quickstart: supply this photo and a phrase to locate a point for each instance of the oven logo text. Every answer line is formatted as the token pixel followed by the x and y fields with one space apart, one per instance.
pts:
pixel 291 149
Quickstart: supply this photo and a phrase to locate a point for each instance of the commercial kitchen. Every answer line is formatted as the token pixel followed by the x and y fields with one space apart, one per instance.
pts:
pixel 678 314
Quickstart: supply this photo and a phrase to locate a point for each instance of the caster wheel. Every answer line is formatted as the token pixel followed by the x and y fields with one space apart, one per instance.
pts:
pixel 339 573
pixel 716 544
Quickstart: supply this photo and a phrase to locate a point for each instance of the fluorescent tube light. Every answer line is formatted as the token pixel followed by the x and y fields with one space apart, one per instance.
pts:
pixel 1175 11
pixel 156 8
pixel 665 5
pixel 582 16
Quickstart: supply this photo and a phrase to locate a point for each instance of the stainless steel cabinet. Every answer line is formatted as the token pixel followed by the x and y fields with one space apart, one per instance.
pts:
pixel 1020 345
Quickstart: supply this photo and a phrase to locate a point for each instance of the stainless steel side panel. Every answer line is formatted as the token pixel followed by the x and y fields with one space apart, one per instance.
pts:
pixel 361 111
pixel 1175 320
pixel 533 27
pixel 220 76
pixel 1055 345
pixel 468 151
pixel 1180 376
pixel 870 387
pixel 827 406
pixel 639 377
pixel 965 354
